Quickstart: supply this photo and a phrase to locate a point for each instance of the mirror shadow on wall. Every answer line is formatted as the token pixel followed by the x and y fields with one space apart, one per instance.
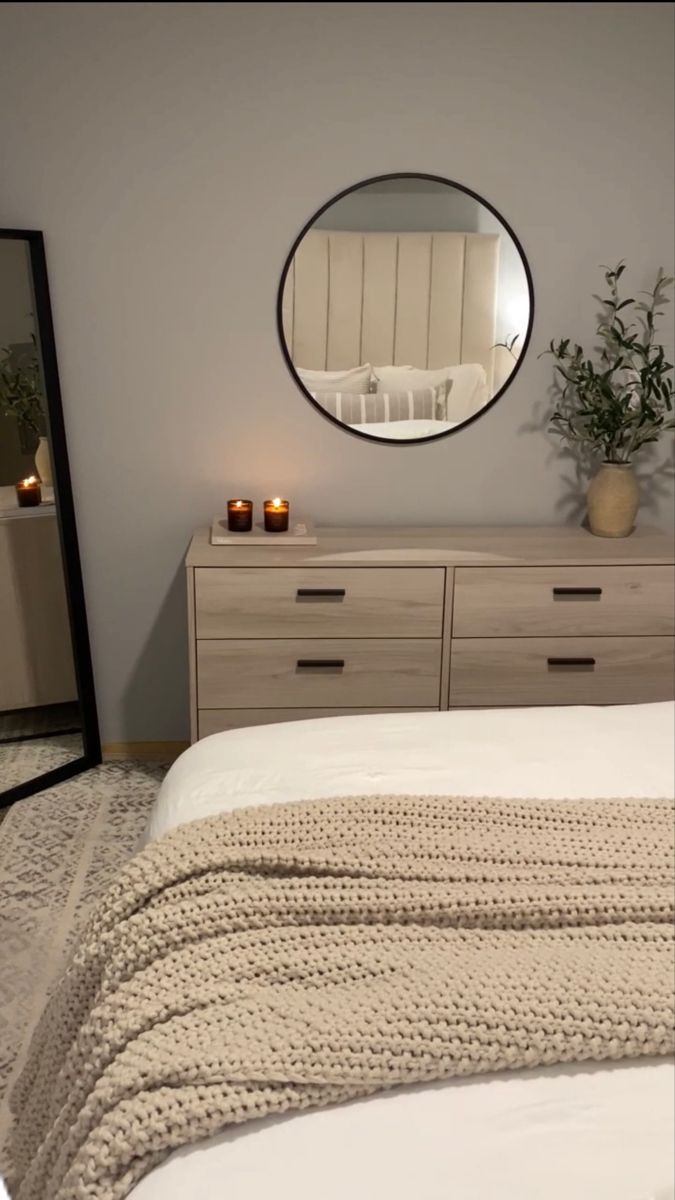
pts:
pixel 405 308
pixel 48 726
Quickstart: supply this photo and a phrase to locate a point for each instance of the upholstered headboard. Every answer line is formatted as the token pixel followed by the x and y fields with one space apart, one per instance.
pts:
pixel 428 299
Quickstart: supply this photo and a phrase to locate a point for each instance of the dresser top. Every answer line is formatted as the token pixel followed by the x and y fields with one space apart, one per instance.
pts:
pixel 402 546
pixel 10 510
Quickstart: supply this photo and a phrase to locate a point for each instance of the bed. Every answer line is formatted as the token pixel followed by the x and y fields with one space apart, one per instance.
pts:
pixel 587 1132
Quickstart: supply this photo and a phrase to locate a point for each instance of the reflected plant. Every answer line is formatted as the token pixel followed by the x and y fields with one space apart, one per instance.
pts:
pixel 21 390
pixel 507 344
pixel 623 400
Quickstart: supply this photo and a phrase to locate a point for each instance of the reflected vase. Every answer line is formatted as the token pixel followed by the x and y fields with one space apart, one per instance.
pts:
pixel 43 463
pixel 613 499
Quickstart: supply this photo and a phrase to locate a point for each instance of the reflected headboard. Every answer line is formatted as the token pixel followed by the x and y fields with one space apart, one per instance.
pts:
pixel 425 299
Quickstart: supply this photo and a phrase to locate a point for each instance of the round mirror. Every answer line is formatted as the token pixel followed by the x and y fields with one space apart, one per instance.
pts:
pixel 405 308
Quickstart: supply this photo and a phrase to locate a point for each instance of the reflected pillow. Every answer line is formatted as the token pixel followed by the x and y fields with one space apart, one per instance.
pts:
pixel 470 390
pixel 356 381
pixel 420 404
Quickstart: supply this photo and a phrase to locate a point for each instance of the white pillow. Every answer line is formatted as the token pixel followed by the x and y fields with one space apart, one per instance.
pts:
pixel 387 379
pixel 356 380
pixel 424 404
pixel 469 393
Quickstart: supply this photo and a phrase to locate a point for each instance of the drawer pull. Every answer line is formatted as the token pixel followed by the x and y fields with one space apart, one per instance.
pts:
pixel 571 662
pixel 577 591
pixel 307 663
pixel 321 592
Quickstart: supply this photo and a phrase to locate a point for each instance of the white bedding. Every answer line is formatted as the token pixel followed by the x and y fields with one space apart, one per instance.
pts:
pixel 561 1133
pixel 469 393
pixel 400 430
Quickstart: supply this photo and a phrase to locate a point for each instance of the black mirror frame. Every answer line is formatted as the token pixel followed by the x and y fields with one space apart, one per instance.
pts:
pixel 434 437
pixel 65 511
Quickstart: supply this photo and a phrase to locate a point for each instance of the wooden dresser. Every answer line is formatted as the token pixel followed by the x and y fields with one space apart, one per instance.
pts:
pixel 418 619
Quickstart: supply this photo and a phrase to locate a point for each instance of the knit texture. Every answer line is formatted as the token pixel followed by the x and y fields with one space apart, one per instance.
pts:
pixel 284 957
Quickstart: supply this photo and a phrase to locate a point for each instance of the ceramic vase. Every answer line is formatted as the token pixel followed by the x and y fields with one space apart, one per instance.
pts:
pixel 43 463
pixel 612 500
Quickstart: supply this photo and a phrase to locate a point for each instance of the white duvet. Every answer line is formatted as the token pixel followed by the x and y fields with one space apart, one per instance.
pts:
pixel 401 430
pixel 560 1133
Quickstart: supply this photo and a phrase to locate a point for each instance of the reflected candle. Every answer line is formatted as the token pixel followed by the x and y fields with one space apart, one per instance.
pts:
pixel 28 492
pixel 239 515
pixel 276 515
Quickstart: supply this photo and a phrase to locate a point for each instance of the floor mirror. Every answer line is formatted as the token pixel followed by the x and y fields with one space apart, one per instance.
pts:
pixel 48 723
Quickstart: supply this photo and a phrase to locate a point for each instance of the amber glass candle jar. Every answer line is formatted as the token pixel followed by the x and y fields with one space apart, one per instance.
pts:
pixel 239 515
pixel 28 492
pixel 276 515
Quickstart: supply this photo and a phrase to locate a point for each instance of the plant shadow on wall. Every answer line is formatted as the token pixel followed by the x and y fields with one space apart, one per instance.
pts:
pixel 609 408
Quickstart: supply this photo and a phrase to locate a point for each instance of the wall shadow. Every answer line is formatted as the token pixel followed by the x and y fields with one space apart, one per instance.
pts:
pixel 155 702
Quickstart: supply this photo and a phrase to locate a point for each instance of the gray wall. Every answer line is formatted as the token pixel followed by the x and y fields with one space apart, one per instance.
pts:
pixel 172 151
pixel 16 297
pixel 389 210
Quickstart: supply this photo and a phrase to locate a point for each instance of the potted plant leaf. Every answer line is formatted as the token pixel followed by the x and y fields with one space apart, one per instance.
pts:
pixel 617 402
pixel 21 398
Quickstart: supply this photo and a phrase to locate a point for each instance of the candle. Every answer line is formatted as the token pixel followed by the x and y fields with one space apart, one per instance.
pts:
pixel 276 515
pixel 28 492
pixel 239 515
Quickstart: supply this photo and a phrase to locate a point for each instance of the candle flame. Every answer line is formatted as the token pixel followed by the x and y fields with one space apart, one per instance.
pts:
pixel 32 479
pixel 237 504
pixel 277 502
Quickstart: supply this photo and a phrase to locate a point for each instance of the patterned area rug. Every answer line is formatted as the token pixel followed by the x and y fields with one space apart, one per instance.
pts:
pixel 21 761
pixel 58 851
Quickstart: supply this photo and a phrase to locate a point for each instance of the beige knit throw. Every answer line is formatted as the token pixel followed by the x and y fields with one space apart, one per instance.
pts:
pixel 301 954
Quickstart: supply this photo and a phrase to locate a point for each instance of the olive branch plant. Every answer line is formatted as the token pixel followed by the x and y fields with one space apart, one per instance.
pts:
pixel 21 390
pixel 623 400
pixel 508 344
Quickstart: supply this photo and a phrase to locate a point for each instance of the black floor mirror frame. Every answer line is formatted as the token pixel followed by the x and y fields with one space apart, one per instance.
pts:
pixel 65 510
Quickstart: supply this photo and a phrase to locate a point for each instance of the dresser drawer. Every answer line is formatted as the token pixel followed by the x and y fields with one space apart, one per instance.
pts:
pixel 319 602
pixel 217 720
pixel 489 672
pixel 319 673
pixel 579 601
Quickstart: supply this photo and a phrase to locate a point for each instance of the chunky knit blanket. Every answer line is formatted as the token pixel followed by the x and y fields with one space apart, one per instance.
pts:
pixel 296 955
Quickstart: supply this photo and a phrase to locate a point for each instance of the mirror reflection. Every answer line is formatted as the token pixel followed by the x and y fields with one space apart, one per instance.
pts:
pixel 40 726
pixel 405 308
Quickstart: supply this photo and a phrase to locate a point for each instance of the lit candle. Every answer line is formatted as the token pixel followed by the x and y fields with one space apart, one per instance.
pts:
pixel 28 492
pixel 276 515
pixel 239 515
